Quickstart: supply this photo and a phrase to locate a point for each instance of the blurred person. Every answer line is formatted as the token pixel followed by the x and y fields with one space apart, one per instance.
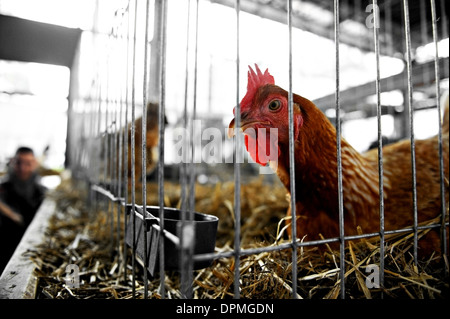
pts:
pixel 21 194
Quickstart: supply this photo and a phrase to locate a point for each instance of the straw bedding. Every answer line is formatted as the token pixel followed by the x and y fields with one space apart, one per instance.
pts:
pixel 79 234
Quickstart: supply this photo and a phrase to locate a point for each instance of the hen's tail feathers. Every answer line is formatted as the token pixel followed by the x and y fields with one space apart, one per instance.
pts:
pixel 445 123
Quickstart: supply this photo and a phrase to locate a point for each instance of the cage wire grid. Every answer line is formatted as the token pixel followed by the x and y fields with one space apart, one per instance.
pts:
pixel 110 113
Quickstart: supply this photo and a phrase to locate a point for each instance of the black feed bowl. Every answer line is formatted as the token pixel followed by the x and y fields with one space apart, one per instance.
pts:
pixel 205 230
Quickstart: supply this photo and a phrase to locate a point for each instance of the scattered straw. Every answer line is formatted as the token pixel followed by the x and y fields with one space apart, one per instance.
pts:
pixel 79 235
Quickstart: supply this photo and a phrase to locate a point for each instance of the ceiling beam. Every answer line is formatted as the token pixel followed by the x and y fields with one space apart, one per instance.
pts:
pixel 352 99
pixel 276 11
pixel 30 41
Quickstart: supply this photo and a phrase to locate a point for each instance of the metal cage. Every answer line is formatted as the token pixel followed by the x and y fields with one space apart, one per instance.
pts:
pixel 107 148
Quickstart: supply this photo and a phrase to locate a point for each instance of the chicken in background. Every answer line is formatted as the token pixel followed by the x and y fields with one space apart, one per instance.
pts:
pixel 265 105
pixel 152 141
pixel 151 147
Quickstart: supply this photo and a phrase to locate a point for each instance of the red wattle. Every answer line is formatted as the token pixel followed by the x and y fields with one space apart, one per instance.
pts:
pixel 259 152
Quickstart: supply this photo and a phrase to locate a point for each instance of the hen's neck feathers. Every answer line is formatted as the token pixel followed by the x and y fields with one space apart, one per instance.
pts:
pixel 316 166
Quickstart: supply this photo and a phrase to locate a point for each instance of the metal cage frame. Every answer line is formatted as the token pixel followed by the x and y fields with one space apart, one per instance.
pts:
pixel 114 140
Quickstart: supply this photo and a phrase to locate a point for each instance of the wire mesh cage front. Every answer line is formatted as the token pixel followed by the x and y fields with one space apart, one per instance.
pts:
pixel 188 211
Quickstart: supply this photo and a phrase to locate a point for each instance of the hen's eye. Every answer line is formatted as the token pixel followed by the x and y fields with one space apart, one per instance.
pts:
pixel 274 105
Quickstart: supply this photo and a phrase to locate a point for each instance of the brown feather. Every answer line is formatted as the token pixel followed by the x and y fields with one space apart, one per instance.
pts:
pixel 317 189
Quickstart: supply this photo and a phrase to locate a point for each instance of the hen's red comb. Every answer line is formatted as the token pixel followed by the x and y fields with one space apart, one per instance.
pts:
pixel 255 80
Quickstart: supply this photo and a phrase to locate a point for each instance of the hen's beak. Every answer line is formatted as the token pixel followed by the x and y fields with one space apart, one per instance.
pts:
pixel 231 132
pixel 245 124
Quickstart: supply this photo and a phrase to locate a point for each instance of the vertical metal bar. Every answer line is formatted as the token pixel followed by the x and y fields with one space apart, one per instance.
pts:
pixel 183 176
pixel 133 154
pixel 94 130
pixel 193 118
pixel 161 145
pixel 380 137
pixel 113 158
pixel 98 130
pixel 105 140
pixel 186 256
pixel 237 170
pixel 91 117
pixel 118 190
pixel 99 116
pixel 144 148
pixel 116 173
pixel 108 142
pixel 339 153
pixel 119 172
pixel 438 104
pixel 125 140
pixel 117 131
pixel 292 158
pixel 411 121
pixel 192 171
